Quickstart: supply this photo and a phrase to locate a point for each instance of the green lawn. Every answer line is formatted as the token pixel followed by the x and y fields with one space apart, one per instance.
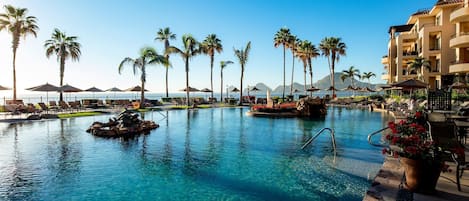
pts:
pixel 78 114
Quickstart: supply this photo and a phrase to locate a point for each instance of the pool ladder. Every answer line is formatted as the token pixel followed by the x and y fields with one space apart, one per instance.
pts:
pixel 331 131
pixel 375 133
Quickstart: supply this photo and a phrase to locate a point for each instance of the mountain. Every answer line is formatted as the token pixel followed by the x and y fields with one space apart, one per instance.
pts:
pixel 325 83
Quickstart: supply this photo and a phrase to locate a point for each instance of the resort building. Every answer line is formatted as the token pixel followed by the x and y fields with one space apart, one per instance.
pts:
pixel 439 35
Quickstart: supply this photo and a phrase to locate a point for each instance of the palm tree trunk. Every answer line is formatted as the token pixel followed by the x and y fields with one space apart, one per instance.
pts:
pixel 304 76
pixel 211 74
pixel 187 81
pixel 353 85
pixel 167 93
pixel 62 69
pixel 14 74
pixel 284 72
pixel 292 72
pixel 241 90
pixel 142 96
pixel 221 85
pixel 332 73
pixel 310 76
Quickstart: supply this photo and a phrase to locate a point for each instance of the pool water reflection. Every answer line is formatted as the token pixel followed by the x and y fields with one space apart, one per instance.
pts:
pixel 205 154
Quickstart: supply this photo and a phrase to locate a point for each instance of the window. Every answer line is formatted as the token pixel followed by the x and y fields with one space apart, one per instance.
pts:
pixel 437 66
pixel 437 20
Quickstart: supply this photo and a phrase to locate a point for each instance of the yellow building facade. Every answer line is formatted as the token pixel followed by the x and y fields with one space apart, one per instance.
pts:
pixel 440 35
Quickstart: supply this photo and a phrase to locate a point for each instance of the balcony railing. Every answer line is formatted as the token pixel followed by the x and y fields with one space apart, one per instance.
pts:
pixel 459 34
pixel 412 53
pixel 434 48
pixel 459 62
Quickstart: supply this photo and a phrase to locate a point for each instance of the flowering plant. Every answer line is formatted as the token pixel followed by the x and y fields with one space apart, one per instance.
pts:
pixel 409 138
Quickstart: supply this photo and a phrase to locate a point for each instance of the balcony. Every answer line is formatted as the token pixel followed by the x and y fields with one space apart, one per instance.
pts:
pixel 384 60
pixel 459 40
pixel 459 67
pixel 459 15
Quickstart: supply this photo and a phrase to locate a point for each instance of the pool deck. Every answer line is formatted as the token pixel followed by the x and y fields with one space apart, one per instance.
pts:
pixel 386 184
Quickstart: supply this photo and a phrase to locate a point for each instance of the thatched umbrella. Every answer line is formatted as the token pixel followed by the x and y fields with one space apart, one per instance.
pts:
pixel 44 88
pixel 191 89
pixel 411 85
pixel 69 89
pixel 94 89
pixel 4 88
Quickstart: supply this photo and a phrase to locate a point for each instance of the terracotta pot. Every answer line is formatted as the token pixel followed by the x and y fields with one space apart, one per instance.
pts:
pixel 421 176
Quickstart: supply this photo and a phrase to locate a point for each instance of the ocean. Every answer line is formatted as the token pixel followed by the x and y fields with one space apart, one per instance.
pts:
pixel 53 96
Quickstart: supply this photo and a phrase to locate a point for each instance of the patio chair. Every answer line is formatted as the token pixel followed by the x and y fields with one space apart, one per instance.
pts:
pixel 444 134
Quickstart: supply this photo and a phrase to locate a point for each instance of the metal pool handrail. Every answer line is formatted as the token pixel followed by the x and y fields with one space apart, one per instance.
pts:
pixel 317 134
pixel 374 133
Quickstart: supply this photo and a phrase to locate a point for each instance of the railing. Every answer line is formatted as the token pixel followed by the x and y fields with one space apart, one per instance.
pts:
pixel 317 134
pixel 459 34
pixel 375 133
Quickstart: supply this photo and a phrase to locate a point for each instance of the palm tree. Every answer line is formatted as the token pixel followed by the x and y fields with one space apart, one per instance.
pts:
pixel 293 45
pixel 18 24
pixel 313 52
pixel 306 51
pixel 209 46
pixel 242 58
pixel 64 47
pixel 368 75
pixel 302 54
pixel 190 49
pixel 351 73
pixel 223 65
pixel 165 35
pixel 283 37
pixel 332 48
pixel 148 56
pixel 417 65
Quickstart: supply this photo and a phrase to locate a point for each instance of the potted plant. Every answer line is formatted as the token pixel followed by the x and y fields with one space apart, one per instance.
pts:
pixel 421 158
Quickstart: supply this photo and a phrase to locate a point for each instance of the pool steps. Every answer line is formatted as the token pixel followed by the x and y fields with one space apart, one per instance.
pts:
pixel 331 131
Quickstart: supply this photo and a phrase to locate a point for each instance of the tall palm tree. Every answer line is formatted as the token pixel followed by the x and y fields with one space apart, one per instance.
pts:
pixel 332 48
pixel 301 53
pixel 351 73
pixel 313 52
pixel 242 58
pixel 306 52
pixel 283 38
pixel 293 45
pixel 147 56
pixel 223 65
pixel 18 24
pixel 209 46
pixel 418 65
pixel 190 49
pixel 64 47
pixel 164 35
pixel 368 75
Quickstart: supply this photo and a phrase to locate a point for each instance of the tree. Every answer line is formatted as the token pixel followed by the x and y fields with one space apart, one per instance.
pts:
pixel 242 58
pixel 148 56
pixel 223 65
pixel 64 47
pixel 164 35
pixel 368 75
pixel 293 45
pixel 191 48
pixel 417 65
pixel 332 48
pixel 209 46
pixel 18 24
pixel 283 38
pixel 351 73
pixel 306 51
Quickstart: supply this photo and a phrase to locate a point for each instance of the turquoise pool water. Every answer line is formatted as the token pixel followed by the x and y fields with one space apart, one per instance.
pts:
pixel 205 154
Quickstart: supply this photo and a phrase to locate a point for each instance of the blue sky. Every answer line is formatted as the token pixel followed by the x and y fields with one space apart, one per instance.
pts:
pixel 110 30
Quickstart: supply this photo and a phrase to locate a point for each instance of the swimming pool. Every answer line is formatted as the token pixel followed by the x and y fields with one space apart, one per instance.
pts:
pixel 205 154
